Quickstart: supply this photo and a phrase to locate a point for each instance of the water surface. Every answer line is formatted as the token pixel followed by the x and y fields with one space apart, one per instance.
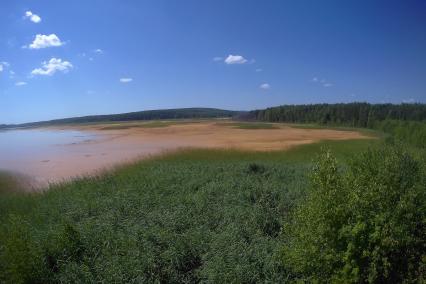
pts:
pixel 25 151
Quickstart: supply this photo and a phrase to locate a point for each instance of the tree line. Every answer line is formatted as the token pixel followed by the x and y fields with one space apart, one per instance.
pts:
pixel 403 121
pixel 351 114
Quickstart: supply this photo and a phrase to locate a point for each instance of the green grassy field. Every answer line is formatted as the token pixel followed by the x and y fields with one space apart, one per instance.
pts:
pixel 249 125
pixel 165 123
pixel 151 124
pixel 195 215
pixel 365 131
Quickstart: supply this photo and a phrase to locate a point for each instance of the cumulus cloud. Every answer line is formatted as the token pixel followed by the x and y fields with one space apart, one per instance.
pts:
pixel 259 70
pixel 235 59
pixel 327 85
pixel 265 86
pixel 98 51
pixel 33 17
pixel 19 84
pixel 54 65
pixel 43 41
pixel 3 65
pixel 126 80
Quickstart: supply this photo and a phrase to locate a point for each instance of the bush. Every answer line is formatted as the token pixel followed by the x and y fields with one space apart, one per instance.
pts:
pixel 364 224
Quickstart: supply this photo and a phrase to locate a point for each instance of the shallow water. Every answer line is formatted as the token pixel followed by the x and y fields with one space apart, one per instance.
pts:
pixel 21 149
pixel 25 144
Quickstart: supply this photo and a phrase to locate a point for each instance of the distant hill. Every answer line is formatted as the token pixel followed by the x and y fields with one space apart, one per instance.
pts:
pixel 180 113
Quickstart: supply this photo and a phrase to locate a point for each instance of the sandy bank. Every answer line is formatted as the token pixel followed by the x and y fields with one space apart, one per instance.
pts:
pixel 123 143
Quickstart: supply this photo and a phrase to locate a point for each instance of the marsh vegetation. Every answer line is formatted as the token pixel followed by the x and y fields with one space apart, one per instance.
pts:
pixel 214 215
pixel 348 211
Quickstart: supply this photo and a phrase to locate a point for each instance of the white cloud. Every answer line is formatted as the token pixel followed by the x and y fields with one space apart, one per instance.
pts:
pixel 265 86
pixel 43 41
pixel 98 51
pixel 217 58
pixel 126 80
pixel 3 65
pixel 51 67
pixel 33 17
pixel 323 82
pixel 259 70
pixel 20 84
pixel 235 59
pixel 409 101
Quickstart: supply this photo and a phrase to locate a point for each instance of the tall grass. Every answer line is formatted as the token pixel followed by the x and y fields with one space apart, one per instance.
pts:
pixel 196 215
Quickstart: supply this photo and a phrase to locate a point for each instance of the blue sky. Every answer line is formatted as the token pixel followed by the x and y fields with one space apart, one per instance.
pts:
pixel 72 58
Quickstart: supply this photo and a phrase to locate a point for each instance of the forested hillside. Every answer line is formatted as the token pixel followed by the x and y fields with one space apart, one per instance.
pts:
pixel 404 121
pixel 352 114
pixel 181 113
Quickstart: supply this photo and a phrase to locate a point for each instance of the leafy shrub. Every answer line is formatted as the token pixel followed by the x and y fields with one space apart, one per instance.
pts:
pixel 411 132
pixel 365 224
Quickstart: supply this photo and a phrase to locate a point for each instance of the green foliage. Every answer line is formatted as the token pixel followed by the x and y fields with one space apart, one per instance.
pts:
pixel 188 217
pixel 20 256
pixel 412 132
pixel 351 114
pixel 250 125
pixel 366 223
pixel 404 122
pixel 226 216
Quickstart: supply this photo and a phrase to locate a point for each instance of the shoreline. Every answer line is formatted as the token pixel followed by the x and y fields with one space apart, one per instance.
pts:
pixel 132 142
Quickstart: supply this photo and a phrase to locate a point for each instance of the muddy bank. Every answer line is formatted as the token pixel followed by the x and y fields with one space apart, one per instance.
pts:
pixel 110 146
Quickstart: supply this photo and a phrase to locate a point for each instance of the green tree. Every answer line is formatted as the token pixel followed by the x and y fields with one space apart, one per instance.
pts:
pixel 365 224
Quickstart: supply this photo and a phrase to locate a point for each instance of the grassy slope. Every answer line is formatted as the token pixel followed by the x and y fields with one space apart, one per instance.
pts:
pixel 194 215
